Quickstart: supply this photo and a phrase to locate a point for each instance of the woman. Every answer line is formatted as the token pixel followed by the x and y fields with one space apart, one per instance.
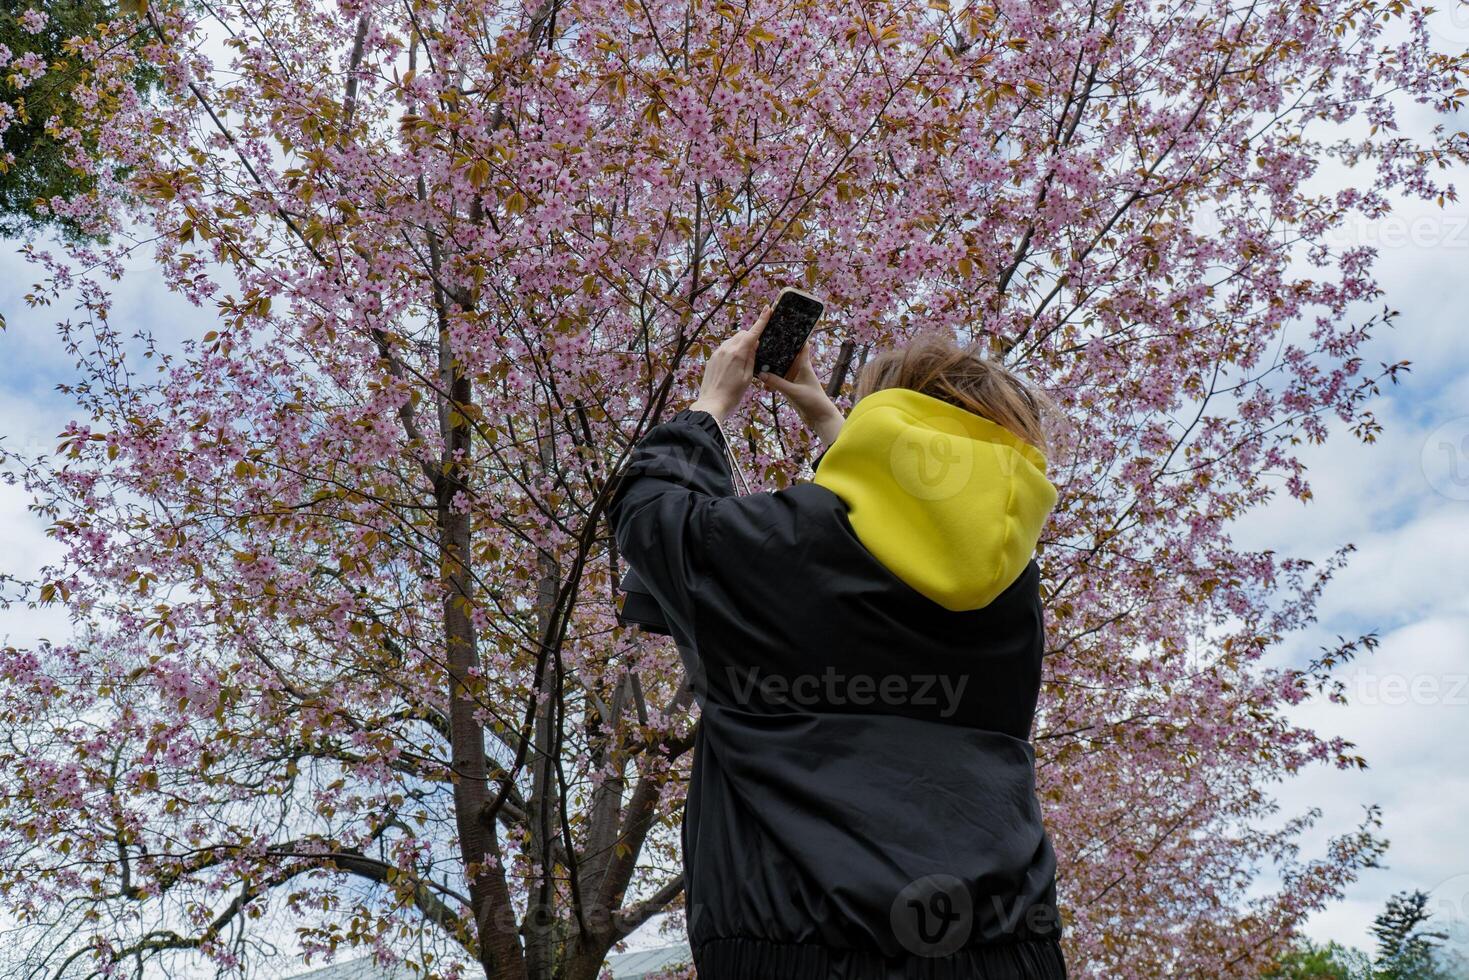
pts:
pixel 866 649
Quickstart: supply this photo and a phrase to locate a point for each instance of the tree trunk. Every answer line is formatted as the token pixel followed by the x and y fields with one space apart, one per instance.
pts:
pixel 499 945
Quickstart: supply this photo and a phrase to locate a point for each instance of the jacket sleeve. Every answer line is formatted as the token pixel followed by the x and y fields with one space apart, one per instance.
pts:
pixel 660 510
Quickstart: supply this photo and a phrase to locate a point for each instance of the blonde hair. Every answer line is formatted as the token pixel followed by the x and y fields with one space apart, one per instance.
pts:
pixel 935 365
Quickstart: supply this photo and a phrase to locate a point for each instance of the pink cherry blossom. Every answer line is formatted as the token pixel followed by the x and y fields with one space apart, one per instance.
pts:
pixel 342 588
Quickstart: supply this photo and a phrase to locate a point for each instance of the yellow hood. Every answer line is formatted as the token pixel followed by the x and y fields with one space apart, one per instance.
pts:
pixel 947 500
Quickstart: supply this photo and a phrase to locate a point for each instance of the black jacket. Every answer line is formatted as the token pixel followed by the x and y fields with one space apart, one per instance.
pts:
pixel 862 803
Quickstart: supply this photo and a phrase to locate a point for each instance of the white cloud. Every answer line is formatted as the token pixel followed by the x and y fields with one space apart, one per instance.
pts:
pixel 1408 714
pixel 1401 502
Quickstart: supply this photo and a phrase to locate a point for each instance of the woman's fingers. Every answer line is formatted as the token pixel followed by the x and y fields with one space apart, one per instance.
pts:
pixel 743 345
pixel 781 385
pixel 730 368
pixel 803 371
pixel 749 336
pixel 762 319
pixel 750 339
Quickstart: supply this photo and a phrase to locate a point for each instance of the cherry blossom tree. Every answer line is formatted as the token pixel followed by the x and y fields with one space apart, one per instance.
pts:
pixel 345 671
pixel 35 165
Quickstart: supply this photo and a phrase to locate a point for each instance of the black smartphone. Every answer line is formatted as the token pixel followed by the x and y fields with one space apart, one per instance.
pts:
pixel 790 323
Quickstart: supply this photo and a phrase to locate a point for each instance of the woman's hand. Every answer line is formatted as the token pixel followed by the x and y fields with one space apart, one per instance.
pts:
pixel 808 396
pixel 730 369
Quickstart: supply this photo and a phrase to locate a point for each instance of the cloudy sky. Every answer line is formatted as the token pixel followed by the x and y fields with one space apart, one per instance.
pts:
pixel 1403 501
